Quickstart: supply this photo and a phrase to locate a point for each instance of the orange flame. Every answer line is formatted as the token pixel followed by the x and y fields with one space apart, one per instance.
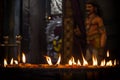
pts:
pixel 102 63
pixel 11 62
pixel 85 63
pixel 95 62
pixel 72 61
pixel 59 59
pixel 109 63
pixel 108 54
pixel 48 60
pixel 15 61
pixel 115 62
pixel 5 63
pixel 78 62
pixel 23 58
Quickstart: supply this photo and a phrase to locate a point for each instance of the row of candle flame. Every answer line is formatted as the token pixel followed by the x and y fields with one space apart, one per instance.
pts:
pixel 70 62
pixel 15 61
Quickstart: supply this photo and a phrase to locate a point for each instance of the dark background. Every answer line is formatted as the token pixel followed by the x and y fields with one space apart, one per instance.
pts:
pixel 32 26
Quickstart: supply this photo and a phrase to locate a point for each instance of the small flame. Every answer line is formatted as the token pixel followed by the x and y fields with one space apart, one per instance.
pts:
pixel 115 62
pixel 85 63
pixel 23 58
pixel 95 62
pixel 109 63
pixel 11 62
pixel 15 61
pixel 78 62
pixel 102 63
pixel 48 60
pixel 72 61
pixel 108 54
pixel 59 59
pixel 5 63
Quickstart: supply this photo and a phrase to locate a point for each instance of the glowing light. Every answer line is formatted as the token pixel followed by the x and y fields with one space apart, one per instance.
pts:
pixel 95 62
pixel 15 61
pixel 85 63
pixel 5 63
pixel 72 61
pixel 49 17
pixel 78 62
pixel 108 54
pixel 23 58
pixel 48 60
pixel 109 63
pixel 59 59
pixel 11 62
pixel 102 63
pixel 115 62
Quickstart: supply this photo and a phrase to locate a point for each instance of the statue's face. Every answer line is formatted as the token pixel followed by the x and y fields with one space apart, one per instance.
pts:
pixel 90 9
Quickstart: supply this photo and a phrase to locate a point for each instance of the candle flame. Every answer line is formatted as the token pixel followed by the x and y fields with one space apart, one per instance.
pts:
pixel 108 54
pixel 15 61
pixel 23 58
pixel 78 62
pixel 5 63
pixel 11 62
pixel 72 61
pixel 59 59
pixel 102 63
pixel 109 63
pixel 94 59
pixel 48 60
pixel 115 62
pixel 85 63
